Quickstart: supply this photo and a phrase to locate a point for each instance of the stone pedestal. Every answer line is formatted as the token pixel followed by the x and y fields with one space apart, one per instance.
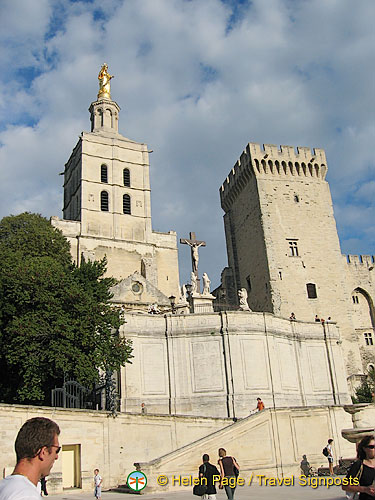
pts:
pixel 201 303
pixel 183 308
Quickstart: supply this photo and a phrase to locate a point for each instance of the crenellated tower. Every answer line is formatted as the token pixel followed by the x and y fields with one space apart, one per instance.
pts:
pixel 281 236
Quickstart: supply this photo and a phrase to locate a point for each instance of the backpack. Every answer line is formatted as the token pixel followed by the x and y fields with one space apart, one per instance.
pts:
pixel 325 451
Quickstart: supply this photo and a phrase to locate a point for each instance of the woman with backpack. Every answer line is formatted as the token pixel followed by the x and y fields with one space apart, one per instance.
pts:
pixel 363 470
pixel 328 452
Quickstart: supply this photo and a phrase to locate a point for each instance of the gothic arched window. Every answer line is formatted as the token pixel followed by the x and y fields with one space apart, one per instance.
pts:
pixel 126 175
pixel 104 201
pixel 126 206
pixel 104 173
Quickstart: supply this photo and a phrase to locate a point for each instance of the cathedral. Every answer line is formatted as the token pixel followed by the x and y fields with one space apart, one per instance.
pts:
pixel 293 318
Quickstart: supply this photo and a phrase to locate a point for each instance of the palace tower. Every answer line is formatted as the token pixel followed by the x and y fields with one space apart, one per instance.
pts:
pixel 283 246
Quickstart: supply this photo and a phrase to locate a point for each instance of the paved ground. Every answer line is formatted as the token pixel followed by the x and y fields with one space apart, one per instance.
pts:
pixel 246 492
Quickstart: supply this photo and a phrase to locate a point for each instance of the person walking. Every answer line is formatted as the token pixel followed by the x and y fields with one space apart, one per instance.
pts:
pixel 363 469
pixel 98 480
pixel 208 471
pixel 37 447
pixel 228 474
pixel 330 456
pixel 260 405
pixel 43 486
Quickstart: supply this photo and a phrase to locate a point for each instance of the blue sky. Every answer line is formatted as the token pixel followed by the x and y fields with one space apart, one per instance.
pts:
pixel 196 80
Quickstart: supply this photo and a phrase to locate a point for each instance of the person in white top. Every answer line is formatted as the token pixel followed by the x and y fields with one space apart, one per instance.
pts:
pixel 98 484
pixel 330 456
pixel 37 447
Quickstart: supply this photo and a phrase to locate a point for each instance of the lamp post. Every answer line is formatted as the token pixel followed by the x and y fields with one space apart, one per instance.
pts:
pixel 172 300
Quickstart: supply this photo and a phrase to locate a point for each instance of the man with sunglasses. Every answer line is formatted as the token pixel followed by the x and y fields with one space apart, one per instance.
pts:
pixel 37 447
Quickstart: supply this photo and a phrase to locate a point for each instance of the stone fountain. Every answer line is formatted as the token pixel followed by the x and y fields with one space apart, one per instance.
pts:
pixel 363 418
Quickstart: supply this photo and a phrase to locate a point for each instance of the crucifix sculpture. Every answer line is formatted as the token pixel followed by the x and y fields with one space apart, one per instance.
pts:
pixel 194 244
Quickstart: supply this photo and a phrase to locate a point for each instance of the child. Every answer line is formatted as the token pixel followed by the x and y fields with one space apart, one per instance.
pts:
pixel 98 484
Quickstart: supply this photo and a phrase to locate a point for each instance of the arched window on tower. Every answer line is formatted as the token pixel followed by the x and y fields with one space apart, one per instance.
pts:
pixel 104 201
pixel 311 291
pixel 126 175
pixel 126 205
pixel 104 173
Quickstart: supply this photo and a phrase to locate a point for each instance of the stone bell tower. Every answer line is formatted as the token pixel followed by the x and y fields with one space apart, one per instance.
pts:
pixel 104 115
pixel 107 201
pixel 107 186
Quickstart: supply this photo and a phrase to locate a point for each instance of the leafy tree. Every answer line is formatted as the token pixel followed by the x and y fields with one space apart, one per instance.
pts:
pixel 56 321
pixel 364 392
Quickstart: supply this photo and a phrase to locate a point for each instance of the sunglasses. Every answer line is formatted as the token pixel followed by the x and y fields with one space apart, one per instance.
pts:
pixel 370 446
pixel 58 448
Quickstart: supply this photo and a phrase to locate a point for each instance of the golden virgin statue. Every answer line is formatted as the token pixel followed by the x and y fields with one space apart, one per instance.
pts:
pixel 104 82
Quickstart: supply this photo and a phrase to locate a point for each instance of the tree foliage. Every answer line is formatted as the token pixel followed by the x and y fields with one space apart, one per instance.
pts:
pixel 364 392
pixel 56 321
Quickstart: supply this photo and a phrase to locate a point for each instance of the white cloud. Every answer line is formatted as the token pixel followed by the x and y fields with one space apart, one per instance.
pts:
pixel 196 90
pixel 366 192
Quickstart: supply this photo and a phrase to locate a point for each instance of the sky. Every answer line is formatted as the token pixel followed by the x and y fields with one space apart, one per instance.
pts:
pixel 196 80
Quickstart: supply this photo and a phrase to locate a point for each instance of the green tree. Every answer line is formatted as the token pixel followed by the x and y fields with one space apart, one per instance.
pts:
pixel 56 320
pixel 364 392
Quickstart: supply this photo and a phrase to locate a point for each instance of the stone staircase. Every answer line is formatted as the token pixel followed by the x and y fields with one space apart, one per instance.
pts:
pixel 270 442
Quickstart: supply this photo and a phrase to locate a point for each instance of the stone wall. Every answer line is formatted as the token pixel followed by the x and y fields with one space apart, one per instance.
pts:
pixel 218 364
pixel 360 278
pixel 110 444
pixel 271 442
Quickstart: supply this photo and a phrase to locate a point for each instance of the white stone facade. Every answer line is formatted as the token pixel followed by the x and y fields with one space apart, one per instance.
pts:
pixel 218 364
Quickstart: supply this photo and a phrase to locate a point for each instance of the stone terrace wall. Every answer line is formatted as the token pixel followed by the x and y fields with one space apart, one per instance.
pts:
pixel 110 444
pixel 218 364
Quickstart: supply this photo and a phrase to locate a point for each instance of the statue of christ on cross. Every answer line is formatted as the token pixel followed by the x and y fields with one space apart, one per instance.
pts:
pixel 194 244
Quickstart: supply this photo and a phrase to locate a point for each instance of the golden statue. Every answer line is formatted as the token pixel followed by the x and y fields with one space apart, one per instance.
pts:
pixel 104 82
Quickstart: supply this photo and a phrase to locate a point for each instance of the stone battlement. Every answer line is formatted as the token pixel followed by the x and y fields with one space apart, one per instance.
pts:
pixel 367 260
pixel 271 161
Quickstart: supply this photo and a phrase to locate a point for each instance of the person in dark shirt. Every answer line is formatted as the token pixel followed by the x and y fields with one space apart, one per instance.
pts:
pixel 227 465
pixel 364 470
pixel 208 470
pixel 43 484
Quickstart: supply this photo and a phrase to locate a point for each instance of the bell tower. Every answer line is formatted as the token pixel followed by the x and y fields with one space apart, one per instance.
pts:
pixel 107 202
pixel 104 116
pixel 107 185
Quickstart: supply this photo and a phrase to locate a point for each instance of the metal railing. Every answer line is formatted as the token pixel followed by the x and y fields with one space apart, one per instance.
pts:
pixel 73 395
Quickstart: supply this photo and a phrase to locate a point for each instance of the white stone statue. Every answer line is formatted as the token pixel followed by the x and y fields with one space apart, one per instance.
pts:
pixel 206 284
pixel 194 253
pixel 183 294
pixel 193 280
pixel 242 295
pixel 153 309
